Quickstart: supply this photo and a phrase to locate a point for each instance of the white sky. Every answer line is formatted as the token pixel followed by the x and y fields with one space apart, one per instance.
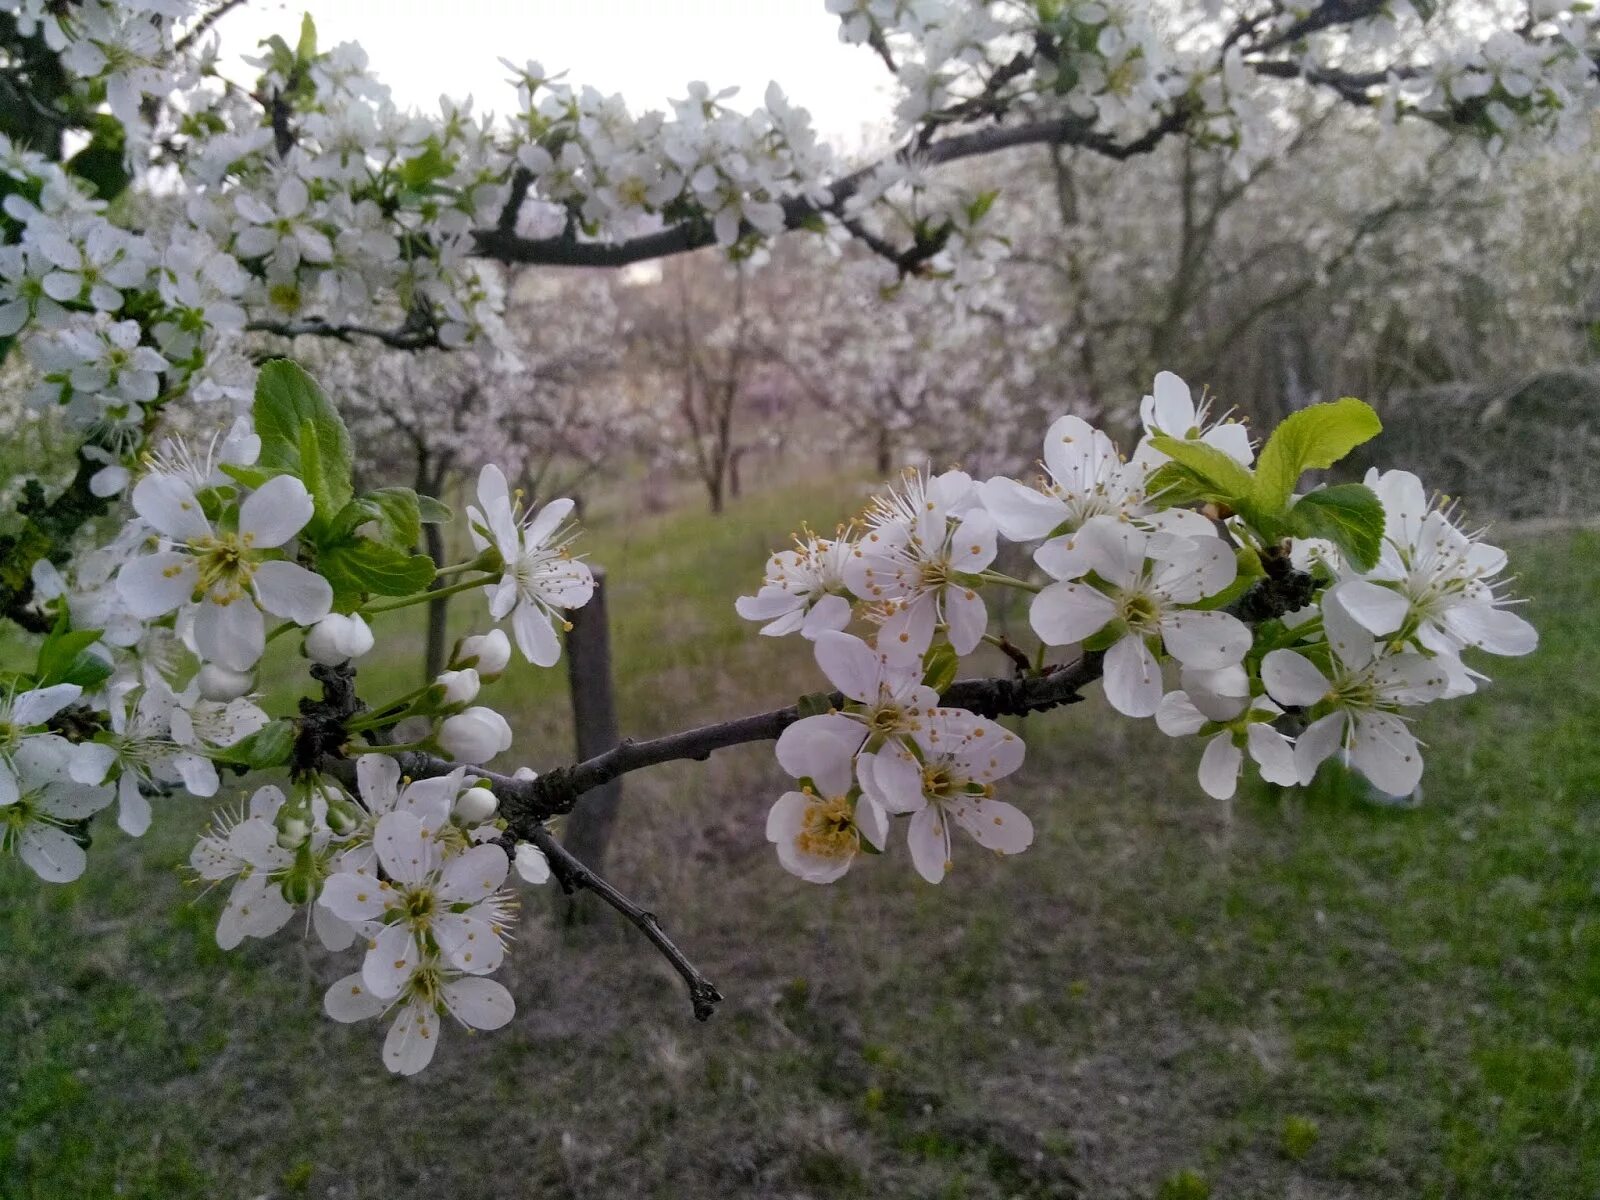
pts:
pixel 646 49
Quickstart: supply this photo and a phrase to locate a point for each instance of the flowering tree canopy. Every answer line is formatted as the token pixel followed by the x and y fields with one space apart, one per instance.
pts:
pixel 160 219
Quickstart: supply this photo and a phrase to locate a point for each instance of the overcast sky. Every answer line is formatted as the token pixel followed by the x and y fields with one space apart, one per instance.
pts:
pixel 645 49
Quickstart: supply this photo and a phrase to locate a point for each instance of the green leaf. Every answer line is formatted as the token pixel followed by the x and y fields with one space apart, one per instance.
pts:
pixel 359 567
pixel 1348 514
pixel 1310 440
pixel 434 512
pixel 302 434
pixel 102 162
pixel 398 512
pixel 270 746
pixel 64 657
pixel 814 704
pixel 1213 473
pixel 420 170
pixel 306 50
pixel 939 666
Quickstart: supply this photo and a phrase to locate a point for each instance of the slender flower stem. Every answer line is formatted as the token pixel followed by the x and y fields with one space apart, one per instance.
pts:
pixel 1008 581
pixel 284 628
pixel 425 597
pixel 471 565
pixel 388 713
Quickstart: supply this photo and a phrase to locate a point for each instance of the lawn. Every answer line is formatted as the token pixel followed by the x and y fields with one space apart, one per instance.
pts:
pixel 1301 995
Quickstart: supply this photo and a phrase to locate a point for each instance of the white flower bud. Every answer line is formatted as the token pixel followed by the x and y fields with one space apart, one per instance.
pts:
pixel 489 652
pixel 525 774
pixel 338 638
pixel 475 736
pixel 293 832
pixel 475 806
pixel 460 687
pixel 219 683
pixel 531 863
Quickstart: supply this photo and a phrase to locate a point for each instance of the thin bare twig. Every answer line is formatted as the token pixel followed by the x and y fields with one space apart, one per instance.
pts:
pixel 573 875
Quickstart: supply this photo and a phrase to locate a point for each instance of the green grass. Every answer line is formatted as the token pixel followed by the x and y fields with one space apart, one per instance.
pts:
pixel 1293 995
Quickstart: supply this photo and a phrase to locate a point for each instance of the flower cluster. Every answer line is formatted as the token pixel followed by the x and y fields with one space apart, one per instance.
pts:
pixel 1293 639
pixel 411 871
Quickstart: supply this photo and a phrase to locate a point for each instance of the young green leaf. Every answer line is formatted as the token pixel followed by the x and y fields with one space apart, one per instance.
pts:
pixel 939 666
pixel 1309 440
pixel 268 747
pixel 399 516
pixel 1215 475
pixel 302 433
pixel 434 512
pixel 1349 515
pixel 358 568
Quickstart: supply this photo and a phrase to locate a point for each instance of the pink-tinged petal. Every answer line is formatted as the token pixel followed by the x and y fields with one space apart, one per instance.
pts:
pixel 468 942
pixel 155 584
pixel 928 839
pixel 993 824
pixel 1292 679
pixel 1176 716
pixel 473 875
pixel 404 847
pixel 169 505
pixel 274 512
pixel 349 1000
pixel 354 897
pixel 287 589
pixel 412 1038
pixel 547 522
pixel 536 637
pixel 1064 613
pixel 1132 679
pixel 51 853
pixel 1377 609
pixel 966 618
pixel 1320 741
pixel 1219 767
pixel 1205 640
pixel 479 1003
pixel 231 634
pixel 1021 513
pixel 391 961
pixel 1492 629
pixel 850 664
pixel 972 545
pixel 1274 755
pixel 820 748
pixel 1383 749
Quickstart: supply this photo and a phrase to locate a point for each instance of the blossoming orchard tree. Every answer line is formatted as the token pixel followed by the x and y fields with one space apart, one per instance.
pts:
pixel 1301 623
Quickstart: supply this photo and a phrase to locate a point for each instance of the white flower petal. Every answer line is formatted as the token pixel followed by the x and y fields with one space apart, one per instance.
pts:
pixel 1132 679
pixel 478 1003
pixel 286 589
pixel 274 512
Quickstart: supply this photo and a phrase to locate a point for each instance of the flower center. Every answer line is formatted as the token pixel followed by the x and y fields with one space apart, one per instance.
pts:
pixel 829 830
pixel 886 719
pixel 939 782
pixel 1141 613
pixel 935 572
pixel 225 564
pixel 418 906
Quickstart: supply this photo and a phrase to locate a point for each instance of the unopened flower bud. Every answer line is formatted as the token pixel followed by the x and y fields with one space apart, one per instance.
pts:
pixel 338 638
pixel 222 684
pixel 460 687
pixel 475 806
pixel 298 888
pixel 476 735
pixel 489 652
pixel 343 816
pixel 293 831
pixel 525 774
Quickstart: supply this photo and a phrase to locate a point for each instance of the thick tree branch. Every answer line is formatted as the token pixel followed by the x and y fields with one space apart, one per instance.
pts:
pixel 574 875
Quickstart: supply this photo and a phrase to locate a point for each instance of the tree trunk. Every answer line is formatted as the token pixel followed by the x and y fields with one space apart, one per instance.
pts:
pixel 714 485
pixel 438 608
pixel 594 718
pixel 883 460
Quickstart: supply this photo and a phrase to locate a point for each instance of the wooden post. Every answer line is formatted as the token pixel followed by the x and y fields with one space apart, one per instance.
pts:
pixel 594 718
